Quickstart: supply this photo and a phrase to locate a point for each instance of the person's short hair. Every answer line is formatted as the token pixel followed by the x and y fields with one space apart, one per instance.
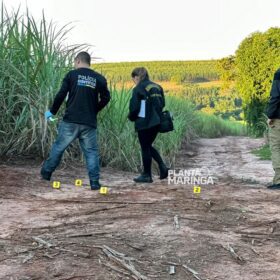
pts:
pixel 84 57
pixel 140 72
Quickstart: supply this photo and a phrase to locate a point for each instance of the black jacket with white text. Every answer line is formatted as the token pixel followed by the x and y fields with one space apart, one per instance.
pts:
pixel 87 94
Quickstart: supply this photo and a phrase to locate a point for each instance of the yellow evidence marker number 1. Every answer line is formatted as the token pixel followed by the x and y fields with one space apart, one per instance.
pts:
pixel 78 183
pixel 56 184
pixel 103 190
pixel 196 189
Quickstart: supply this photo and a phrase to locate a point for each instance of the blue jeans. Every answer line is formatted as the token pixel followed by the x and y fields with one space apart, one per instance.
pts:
pixel 67 133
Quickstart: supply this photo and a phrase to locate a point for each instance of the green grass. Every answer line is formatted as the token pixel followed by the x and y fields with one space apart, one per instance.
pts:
pixel 33 62
pixel 263 153
pixel 211 126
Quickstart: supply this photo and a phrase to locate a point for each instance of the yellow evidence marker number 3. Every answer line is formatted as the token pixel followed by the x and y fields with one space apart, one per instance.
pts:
pixel 196 189
pixel 56 185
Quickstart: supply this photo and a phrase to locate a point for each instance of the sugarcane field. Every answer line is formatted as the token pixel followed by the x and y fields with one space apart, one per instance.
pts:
pixel 139 140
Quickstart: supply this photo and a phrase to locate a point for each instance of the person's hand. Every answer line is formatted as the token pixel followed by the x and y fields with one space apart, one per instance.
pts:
pixel 270 122
pixel 48 115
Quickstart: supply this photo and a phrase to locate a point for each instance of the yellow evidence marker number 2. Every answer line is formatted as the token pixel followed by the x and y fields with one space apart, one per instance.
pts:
pixel 56 185
pixel 196 189
pixel 78 183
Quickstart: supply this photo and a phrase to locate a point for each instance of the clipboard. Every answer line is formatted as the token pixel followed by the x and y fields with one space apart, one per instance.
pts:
pixel 142 112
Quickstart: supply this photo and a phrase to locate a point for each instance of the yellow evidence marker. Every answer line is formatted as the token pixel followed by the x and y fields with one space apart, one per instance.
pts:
pixel 103 190
pixel 196 189
pixel 78 183
pixel 56 184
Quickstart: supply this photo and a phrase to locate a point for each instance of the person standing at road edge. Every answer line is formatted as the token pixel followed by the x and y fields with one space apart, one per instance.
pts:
pixel 87 94
pixel 273 114
pixel 150 97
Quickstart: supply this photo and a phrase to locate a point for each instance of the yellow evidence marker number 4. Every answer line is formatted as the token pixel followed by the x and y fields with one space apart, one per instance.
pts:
pixel 56 185
pixel 196 189
pixel 78 183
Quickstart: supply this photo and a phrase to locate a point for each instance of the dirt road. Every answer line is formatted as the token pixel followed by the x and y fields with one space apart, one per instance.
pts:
pixel 228 231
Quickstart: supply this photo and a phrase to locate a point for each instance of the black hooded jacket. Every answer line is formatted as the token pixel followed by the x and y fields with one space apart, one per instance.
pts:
pixel 273 109
pixel 87 94
pixel 155 102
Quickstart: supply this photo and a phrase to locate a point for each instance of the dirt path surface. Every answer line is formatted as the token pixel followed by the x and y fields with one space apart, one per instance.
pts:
pixel 231 230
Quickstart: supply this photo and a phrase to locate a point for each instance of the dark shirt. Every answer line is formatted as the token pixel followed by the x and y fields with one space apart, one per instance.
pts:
pixel 273 109
pixel 87 95
pixel 155 102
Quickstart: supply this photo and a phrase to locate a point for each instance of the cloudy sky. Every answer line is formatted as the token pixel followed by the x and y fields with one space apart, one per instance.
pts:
pixel 126 30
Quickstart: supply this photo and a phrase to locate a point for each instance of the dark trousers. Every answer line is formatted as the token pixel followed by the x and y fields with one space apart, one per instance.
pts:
pixel 146 138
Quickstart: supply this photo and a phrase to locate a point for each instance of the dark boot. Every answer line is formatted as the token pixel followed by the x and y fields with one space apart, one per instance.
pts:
pixel 95 185
pixel 143 178
pixel 163 171
pixel 274 187
pixel 46 175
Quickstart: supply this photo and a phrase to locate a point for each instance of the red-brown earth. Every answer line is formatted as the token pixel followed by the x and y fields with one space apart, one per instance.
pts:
pixel 230 231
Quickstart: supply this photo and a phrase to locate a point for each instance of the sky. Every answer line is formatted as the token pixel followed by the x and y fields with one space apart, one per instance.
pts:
pixel 143 30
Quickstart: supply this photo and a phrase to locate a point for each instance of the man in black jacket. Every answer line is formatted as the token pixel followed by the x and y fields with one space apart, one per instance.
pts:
pixel 273 114
pixel 145 108
pixel 87 94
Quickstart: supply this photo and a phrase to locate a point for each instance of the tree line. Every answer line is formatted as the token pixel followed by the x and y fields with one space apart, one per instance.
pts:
pixel 252 68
